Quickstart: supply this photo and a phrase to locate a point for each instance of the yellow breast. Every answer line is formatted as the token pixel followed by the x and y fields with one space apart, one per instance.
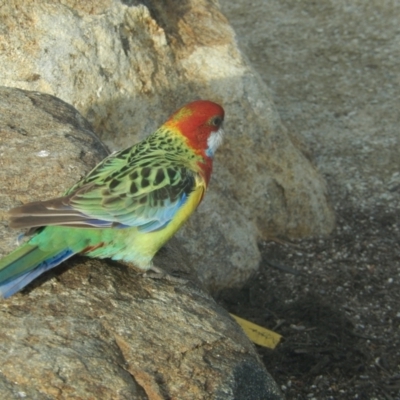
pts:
pixel 142 246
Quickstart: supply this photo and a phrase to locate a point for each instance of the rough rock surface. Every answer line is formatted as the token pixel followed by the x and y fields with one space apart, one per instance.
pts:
pixel 45 147
pixel 335 82
pixel 99 329
pixel 126 66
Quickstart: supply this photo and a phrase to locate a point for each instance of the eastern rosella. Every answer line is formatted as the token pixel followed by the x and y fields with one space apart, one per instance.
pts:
pixel 128 206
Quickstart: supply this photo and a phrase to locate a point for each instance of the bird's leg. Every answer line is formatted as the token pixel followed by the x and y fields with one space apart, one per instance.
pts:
pixel 158 273
pixel 154 272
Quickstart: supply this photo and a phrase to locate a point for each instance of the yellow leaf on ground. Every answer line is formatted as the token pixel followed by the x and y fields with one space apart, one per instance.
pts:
pixel 257 334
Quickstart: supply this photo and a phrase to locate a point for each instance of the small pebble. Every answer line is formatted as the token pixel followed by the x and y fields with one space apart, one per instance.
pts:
pixel 43 153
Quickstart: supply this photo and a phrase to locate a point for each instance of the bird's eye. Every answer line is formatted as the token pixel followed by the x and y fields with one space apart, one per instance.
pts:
pixel 216 121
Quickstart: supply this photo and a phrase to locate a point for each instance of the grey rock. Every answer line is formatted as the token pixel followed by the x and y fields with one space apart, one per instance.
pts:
pixel 45 147
pixel 333 86
pixel 95 329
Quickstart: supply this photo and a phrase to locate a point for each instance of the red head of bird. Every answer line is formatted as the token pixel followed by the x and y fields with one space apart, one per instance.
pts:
pixel 200 122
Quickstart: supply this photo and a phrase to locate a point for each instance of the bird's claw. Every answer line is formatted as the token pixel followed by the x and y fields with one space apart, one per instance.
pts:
pixel 158 273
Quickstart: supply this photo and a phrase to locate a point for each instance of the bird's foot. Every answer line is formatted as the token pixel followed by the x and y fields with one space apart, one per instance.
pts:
pixel 158 273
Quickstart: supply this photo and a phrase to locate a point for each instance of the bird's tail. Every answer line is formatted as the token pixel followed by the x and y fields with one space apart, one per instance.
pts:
pixel 24 264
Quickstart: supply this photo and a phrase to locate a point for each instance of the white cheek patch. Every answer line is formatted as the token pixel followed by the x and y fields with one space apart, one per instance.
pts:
pixel 214 141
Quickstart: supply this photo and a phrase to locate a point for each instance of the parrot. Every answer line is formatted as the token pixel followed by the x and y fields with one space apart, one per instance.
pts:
pixel 127 207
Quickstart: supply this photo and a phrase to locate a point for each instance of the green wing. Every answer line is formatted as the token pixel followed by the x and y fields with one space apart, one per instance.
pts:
pixel 143 186
pixel 147 197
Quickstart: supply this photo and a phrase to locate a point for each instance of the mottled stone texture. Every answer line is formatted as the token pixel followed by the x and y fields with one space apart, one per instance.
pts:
pixel 45 147
pixel 99 330
pixel 126 66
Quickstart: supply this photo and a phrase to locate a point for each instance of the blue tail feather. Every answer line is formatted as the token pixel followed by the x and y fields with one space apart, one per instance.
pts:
pixel 15 284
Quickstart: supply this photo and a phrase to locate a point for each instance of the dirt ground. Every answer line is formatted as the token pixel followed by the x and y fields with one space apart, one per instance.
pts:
pixel 334 70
